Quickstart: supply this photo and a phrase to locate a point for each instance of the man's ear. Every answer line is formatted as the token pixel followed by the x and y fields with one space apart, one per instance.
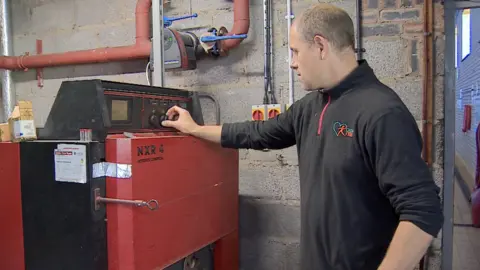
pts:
pixel 321 44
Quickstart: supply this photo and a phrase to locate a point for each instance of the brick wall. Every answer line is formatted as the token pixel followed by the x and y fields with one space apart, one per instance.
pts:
pixel 268 181
pixel 397 26
pixel 468 81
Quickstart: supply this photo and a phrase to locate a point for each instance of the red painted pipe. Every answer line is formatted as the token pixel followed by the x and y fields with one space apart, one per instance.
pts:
pixel 141 49
pixel 241 24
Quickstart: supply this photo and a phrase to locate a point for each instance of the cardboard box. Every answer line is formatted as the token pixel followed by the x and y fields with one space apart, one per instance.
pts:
pixel 4 132
pixel 21 124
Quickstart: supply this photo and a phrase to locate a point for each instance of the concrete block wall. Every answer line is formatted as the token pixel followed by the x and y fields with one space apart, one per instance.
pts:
pixel 270 213
pixel 467 92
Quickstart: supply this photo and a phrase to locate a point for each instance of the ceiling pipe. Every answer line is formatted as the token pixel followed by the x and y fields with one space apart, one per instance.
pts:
pixel 241 24
pixel 141 49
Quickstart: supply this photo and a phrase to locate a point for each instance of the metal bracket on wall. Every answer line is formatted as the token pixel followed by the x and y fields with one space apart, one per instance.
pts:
pixel 39 46
pixel 360 50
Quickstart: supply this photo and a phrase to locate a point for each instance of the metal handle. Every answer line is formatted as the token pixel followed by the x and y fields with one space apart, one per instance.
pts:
pixel 217 38
pixel 167 21
pixel 152 204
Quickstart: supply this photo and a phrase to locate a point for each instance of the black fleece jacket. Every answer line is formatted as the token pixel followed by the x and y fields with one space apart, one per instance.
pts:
pixel 361 170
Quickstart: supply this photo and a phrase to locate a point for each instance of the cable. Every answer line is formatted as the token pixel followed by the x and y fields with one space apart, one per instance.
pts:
pixel 215 101
pixel 148 73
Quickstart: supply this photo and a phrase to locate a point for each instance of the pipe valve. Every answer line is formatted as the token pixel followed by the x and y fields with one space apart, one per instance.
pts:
pixel 167 21
pixel 211 41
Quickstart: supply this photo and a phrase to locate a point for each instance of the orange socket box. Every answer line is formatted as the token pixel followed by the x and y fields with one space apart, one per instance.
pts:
pixel 259 112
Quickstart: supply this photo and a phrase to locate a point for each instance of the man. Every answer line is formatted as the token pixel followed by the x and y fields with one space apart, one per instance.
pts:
pixel 368 200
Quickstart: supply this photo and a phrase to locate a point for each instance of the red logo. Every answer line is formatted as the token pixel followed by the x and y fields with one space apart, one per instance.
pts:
pixel 342 129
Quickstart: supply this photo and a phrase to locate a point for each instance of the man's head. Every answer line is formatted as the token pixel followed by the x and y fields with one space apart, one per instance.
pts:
pixel 322 41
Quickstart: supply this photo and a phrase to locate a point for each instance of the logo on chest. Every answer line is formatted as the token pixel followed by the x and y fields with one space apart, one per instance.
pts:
pixel 342 130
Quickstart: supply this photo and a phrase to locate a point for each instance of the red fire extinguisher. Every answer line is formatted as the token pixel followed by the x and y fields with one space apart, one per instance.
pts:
pixel 467 118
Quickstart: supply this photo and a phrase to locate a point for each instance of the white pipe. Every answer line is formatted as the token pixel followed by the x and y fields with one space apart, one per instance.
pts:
pixel 289 18
pixel 8 87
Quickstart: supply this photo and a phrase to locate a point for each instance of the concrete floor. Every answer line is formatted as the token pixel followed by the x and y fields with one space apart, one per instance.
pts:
pixel 466 250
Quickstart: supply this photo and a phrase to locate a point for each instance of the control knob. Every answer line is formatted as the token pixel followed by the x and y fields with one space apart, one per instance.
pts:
pixel 154 120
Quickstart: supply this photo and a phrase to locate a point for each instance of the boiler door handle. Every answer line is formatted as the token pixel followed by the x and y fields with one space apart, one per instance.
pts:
pixel 152 204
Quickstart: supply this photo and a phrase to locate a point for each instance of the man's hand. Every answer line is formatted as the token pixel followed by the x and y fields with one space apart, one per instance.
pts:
pixel 181 120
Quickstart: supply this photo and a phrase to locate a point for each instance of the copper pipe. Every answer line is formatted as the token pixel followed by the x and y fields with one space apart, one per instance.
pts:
pixel 427 129
pixel 141 49
pixel 428 81
pixel 142 21
pixel 241 24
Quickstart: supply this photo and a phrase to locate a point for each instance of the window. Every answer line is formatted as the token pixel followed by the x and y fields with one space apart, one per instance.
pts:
pixel 466 39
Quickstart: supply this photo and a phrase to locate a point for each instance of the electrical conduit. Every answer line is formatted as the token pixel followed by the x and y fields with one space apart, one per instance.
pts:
pixel 289 18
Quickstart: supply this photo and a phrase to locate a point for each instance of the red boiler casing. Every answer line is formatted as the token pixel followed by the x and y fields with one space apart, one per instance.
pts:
pixel 196 185
pixel 11 226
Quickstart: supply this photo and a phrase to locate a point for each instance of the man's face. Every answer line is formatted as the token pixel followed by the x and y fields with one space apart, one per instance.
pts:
pixel 308 59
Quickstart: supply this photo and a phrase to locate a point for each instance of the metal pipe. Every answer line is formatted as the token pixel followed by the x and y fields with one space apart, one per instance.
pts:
pixel 289 18
pixel 8 87
pixel 139 50
pixel 428 81
pixel 359 29
pixel 158 45
pixel 273 99
pixel 449 133
pixel 215 102
pixel 427 129
pixel 241 24
pixel 267 54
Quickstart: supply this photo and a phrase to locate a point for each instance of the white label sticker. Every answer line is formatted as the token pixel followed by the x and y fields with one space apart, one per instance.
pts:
pixel 24 129
pixel 71 163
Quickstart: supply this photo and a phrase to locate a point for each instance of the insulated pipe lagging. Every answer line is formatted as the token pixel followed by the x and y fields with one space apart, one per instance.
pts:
pixel 8 87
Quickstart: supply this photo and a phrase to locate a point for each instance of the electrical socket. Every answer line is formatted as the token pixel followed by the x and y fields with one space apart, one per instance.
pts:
pixel 259 112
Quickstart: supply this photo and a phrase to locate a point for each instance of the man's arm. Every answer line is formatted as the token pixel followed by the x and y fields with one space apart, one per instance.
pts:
pixel 275 133
pixel 407 247
pixel 394 147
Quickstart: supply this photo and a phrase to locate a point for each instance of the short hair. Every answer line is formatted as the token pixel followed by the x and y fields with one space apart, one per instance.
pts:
pixel 329 21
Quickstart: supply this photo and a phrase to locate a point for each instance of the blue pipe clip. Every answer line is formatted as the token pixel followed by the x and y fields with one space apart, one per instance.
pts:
pixel 167 21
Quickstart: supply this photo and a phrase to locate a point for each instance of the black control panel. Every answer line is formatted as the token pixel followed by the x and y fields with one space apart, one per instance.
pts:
pixel 156 111
pixel 106 107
